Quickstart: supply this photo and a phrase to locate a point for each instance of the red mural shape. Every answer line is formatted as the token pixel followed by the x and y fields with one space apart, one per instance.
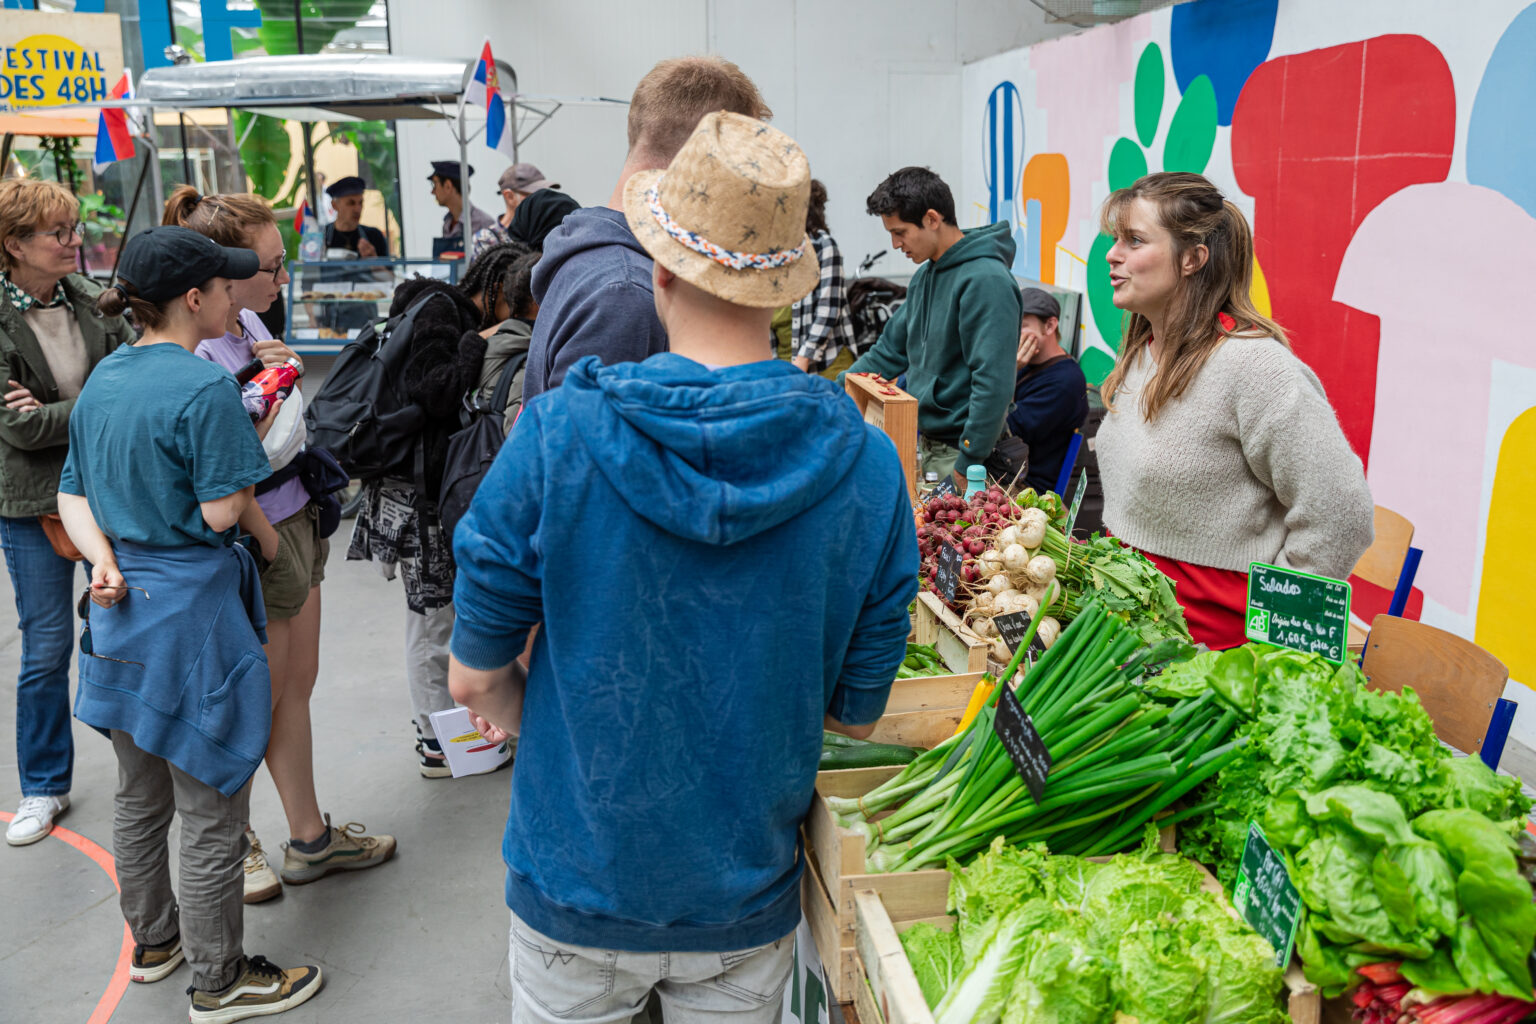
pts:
pixel 1318 139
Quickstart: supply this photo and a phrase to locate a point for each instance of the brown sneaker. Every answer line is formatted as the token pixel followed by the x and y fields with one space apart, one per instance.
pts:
pixel 260 989
pixel 261 882
pixel 350 849
pixel 151 963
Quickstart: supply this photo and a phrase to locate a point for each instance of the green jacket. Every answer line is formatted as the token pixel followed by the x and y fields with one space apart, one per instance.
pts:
pixel 955 337
pixel 33 444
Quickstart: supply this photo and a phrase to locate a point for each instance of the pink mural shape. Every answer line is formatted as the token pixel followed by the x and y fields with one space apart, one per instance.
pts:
pixel 1081 123
pixel 1445 269
pixel 1318 139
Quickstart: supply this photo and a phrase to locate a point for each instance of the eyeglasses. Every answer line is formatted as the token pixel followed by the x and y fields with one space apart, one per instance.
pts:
pixel 64 235
pixel 83 609
pixel 274 271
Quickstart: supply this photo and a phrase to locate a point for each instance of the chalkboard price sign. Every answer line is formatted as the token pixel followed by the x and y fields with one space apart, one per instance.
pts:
pixel 1012 627
pixel 1024 746
pixel 1266 896
pixel 944 487
pixel 948 577
pixel 1298 610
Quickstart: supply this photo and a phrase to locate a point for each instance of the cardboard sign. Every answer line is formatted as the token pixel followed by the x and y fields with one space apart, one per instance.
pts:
pixel 1077 502
pixel 1298 610
pixel 1012 627
pixel 948 578
pixel 1024 746
pixel 1266 896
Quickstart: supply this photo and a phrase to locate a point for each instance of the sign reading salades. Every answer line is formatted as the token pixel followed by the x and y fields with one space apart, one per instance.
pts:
pixel 1298 610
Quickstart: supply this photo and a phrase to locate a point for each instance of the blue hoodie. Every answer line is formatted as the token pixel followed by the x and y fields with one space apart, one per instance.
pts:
pixel 593 285
pixel 719 559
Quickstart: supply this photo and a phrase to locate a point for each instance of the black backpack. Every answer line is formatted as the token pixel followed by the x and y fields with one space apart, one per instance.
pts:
pixel 362 414
pixel 472 449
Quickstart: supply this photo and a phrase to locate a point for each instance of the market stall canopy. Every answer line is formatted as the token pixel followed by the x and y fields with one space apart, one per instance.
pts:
pixel 42 126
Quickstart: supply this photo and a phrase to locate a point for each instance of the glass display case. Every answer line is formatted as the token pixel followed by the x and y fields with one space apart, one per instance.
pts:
pixel 329 301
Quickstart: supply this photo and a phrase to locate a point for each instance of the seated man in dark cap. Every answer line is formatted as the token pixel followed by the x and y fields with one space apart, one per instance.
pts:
pixel 347 232
pixel 448 190
pixel 1050 393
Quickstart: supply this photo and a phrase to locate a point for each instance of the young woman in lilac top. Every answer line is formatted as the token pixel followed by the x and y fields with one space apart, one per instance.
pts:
pixel 284 522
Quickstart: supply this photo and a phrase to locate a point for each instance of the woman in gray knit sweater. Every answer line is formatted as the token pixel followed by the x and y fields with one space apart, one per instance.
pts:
pixel 1220 449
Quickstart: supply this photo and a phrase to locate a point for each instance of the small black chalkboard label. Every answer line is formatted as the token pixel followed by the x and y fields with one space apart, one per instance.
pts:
pixel 948 578
pixel 944 488
pixel 1012 628
pixel 1022 742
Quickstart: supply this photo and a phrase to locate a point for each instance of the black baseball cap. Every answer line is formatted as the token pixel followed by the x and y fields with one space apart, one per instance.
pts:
pixel 448 169
pixel 164 262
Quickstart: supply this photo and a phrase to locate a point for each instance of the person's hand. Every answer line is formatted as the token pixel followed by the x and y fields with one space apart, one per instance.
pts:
pixel 961 483
pixel 264 425
pixel 269 547
pixel 365 248
pixel 107 584
pixel 491 733
pixel 1029 344
pixel 272 352
pixel 20 399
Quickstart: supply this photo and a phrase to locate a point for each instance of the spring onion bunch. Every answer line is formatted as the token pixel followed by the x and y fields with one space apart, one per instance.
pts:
pixel 1118 758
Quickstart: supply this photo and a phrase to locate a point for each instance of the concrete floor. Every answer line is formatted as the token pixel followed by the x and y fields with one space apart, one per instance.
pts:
pixel 422 937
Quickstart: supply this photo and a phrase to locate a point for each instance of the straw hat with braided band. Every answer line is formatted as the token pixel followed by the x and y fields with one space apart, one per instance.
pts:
pixel 728 214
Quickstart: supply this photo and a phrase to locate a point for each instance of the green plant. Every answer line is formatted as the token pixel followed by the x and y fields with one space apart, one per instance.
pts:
pixel 62 149
pixel 99 218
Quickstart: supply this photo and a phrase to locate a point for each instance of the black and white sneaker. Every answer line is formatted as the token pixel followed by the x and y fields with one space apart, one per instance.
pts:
pixel 262 988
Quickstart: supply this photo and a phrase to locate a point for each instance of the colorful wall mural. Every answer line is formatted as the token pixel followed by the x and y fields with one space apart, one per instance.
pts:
pixel 1383 152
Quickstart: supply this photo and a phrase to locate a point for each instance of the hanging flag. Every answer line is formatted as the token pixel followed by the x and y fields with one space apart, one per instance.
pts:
pixel 299 215
pixel 114 141
pixel 485 90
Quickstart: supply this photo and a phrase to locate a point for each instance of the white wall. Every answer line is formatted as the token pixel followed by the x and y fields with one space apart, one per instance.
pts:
pixel 865 86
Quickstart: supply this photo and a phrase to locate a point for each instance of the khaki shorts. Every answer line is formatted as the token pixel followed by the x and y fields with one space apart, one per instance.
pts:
pixel 936 457
pixel 299 566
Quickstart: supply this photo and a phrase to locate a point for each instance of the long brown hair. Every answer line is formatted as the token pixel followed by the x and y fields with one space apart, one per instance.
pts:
pixel 1195 213
pixel 231 220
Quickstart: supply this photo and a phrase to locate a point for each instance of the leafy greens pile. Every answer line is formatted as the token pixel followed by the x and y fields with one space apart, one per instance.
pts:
pixel 1400 850
pixel 1124 582
pixel 1064 940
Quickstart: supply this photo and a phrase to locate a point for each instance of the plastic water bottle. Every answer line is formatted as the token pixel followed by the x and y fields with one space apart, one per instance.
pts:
pixel 312 241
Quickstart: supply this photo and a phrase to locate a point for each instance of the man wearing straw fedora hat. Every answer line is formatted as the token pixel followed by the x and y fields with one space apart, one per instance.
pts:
pixel 651 843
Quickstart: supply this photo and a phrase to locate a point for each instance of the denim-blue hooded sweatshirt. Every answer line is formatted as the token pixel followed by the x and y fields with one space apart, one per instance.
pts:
pixel 719 559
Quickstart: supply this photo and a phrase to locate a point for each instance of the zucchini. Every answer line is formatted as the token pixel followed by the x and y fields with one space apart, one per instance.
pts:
pixel 851 753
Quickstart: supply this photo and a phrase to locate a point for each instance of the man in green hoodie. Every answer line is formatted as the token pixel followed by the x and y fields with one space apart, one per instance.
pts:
pixel 956 333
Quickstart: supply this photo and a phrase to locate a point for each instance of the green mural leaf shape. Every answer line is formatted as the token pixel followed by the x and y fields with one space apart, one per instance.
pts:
pixel 266 152
pixel 1149 93
pixel 1101 297
pixel 1127 164
pixel 1096 364
pixel 1192 133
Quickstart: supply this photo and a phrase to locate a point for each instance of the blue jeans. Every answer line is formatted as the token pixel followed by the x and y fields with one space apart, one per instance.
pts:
pixel 45 595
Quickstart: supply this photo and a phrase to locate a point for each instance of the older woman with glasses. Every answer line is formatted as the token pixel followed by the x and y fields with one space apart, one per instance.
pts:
pixel 50 340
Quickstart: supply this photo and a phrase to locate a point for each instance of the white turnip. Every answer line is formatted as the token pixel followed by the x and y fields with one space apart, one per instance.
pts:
pixel 1050 629
pixel 1032 533
pixel 1041 569
pixel 1015 558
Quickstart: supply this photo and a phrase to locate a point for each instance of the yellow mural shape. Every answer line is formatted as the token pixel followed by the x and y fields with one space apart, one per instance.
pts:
pixel 1259 290
pixel 49 70
pixel 1506 604
pixel 1046 179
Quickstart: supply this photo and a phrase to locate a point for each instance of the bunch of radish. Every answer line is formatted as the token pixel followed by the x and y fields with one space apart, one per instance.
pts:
pixel 1009 560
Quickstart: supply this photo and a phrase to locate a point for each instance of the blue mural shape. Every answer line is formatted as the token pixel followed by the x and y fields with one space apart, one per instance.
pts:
pixel 1003 150
pixel 1501 136
pixel 1223 40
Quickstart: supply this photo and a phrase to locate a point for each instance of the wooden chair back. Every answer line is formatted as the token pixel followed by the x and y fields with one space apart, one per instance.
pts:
pixel 1382 562
pixel 1457 681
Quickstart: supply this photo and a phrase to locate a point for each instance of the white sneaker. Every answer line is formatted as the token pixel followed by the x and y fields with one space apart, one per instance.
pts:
pixel 261 882
pixel 34 818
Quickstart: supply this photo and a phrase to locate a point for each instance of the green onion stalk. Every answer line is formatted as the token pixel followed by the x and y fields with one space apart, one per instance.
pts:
pixel 1118 759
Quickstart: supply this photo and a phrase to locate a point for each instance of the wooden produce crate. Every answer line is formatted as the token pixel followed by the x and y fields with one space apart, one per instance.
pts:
pixel 884 405
pixel 925 712
pixel 935 624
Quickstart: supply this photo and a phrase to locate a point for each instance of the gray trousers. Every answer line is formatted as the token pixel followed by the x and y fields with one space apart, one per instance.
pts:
pixel 213 848
pixel 426 663
pixel 555 982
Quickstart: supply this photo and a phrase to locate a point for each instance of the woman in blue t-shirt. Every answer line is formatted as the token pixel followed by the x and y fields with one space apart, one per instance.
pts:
pixel 163 463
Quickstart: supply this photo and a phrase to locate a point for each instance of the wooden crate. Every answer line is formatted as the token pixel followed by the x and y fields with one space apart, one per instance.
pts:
pixel 925 712
pixel 882 963
pixel 887 407
pixel 959 648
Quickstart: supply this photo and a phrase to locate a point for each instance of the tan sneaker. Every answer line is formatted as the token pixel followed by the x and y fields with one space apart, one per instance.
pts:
pixel 261 988
pixel 151 963
pixel 261 882
pixel 350 849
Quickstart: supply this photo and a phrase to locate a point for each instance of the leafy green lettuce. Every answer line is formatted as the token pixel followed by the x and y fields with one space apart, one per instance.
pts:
pixel 935 958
